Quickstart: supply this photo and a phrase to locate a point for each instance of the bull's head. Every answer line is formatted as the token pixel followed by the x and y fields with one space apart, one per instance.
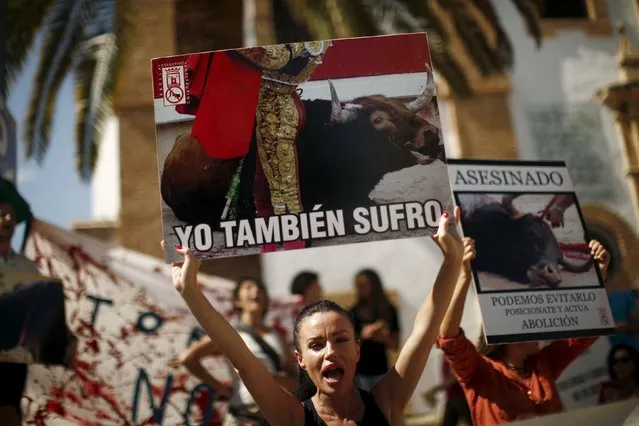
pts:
pixel 540 246
pixel 399 121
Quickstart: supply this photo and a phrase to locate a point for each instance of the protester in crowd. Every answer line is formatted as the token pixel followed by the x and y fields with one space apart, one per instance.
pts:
pixel 14 376
pixel 24 312
pixel 250 300
pixel 307 286
pixel 508 382
pixel 625 313
pixel 376 325
pixel 456 411
pixel 623 369
pixel 327 350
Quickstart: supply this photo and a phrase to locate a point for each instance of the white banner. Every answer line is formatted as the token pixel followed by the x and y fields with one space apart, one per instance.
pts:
pixel 131 325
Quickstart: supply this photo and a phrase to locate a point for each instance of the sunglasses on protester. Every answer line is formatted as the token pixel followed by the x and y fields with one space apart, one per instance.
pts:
pixel 621 360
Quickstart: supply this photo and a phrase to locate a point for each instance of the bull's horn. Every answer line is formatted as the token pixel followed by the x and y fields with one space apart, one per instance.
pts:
pixel 336 105
pixel 575 266
pixel 427 95
pixel 339 114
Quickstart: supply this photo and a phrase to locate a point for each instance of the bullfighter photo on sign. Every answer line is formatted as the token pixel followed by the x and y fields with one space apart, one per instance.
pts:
pixel 534 274
pixel 299 145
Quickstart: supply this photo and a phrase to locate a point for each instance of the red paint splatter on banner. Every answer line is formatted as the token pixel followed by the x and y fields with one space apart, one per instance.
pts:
pixel 113 351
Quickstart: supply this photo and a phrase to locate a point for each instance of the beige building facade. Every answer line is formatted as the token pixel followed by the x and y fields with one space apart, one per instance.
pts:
pixel 482 127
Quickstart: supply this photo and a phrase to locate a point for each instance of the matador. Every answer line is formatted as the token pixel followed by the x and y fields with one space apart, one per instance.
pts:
pixel 263 82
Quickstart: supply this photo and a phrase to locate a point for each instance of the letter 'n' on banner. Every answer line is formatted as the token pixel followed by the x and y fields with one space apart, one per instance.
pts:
pixel 534 275
pixel 289 146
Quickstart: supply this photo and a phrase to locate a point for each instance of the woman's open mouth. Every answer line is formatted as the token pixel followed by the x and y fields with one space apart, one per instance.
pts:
pixel 332 374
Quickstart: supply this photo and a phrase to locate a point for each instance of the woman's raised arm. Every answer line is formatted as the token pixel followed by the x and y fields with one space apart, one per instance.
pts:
pixel 395 389
pixel 277 405
pixel 191 359
pixel 450 324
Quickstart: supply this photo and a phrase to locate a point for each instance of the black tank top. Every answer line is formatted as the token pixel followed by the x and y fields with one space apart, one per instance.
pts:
pixel 372 414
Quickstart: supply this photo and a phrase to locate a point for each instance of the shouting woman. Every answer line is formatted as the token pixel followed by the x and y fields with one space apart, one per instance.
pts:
pixel 328 351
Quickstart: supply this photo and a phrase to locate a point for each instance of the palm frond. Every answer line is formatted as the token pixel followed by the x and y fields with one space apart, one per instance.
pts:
pixel 23 21
pixel 393 16
pixel 92 105
pixel 315 15
pixel 472 36
pixel 63 36
pixel 530 10
pixel 504 47
pixel 287 28
pixel 357 21
pixel 419 15
pixel 85 71
pixel 97 73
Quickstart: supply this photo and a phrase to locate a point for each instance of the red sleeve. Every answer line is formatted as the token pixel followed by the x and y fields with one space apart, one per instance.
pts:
pixel 197 68
pixel 561 353
pixel 225 115
pixel 462 356
pixel 445 370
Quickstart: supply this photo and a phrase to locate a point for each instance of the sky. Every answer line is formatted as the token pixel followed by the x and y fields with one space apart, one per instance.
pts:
pixel 53 189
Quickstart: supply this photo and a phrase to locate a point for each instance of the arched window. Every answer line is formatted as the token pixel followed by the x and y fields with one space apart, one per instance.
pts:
pixel 620 239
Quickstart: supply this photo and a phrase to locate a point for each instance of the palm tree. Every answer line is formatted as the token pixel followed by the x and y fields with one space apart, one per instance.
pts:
pixel 89 38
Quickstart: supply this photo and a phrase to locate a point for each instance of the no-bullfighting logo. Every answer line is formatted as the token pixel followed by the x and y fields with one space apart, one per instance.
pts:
pixel 174 85
pixel 603 316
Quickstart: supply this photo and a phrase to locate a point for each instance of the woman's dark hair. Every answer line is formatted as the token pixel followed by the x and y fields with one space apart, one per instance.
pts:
pixel 494 352
pixel 302 281
pixel 382 306
pixel 260 285
pixel 632 353
pixel 307 388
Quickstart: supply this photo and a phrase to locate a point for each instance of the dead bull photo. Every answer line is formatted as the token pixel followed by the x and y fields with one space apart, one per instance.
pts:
pixel 519 246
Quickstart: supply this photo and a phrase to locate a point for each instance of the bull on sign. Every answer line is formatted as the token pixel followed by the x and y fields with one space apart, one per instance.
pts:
pixel 299 145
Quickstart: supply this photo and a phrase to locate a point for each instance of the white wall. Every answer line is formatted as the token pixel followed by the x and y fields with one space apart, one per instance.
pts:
pixel 562 75
pixel 558 83
pixel 105 184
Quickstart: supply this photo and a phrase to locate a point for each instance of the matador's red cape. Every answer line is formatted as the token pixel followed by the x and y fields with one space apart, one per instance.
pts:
pixel 223 96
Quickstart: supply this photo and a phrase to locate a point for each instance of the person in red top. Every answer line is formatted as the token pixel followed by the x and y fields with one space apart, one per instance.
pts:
pixel 456 411
pixel 515 381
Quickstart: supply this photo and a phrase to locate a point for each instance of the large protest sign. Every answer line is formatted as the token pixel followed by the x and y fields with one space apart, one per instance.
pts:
pixel 534 280
pixel 32 319
pixel 288 146
pixel 131 326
